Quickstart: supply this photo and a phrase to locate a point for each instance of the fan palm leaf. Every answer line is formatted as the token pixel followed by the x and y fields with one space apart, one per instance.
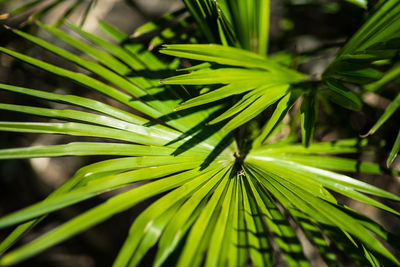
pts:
pixel 218 201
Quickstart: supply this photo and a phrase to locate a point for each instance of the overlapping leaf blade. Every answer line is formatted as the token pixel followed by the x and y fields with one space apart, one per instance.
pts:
pixel 230 211
pixel 256 74
pixel 321 211
pixel 114 205
pixel 374 41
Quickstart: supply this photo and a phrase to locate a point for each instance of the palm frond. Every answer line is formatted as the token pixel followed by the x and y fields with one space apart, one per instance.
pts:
pixel 374 41
pixel 385 116
pixel 212 21
pixel 262 80
pixel 219 201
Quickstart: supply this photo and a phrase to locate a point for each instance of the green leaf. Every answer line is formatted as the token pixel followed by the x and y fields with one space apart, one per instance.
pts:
pixel 358 74
pixel 241 105
pixel 200 14
pixel 336 163
pixel 225 76
pixel 95 215
pixel 348 224
pixel 299 178
pixel 395 150
pixel 323 176
pixel 78 101
pixel 308 184
pixel 41 8
pixel 105 183
pixel 309 116
pixel 90 148
pixel 228 56
pixel 266 76
pixel 147 228
pixel 341 146
pixel 211 21
pixel 157 23
pixel 86 81
pixel 388 76
pixel 360 3
pixel 283 233
pixel 382 23
pixel 211 209
pixel 271 95
pixel 219 240
pixel 85 117
pixel 257 238
pixel 147 58
pixel 331 215
pixel 184 217
pixel 220 93
pixel 339 94
pixel 239 237
pixel 394 105
pixel 311 231
pixel 283 107
pixel 103 72
pixel 80 129
pixel 163 131
pixel 103 57
pixel 119 52
pixel 194 251
pixel 176 32
pixel 135 252
pixel 263 26
pixel 110 166
pixel 372 42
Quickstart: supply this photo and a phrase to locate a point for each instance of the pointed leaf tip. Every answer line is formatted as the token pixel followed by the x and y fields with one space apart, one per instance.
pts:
pixel 366 134
pixel 394 151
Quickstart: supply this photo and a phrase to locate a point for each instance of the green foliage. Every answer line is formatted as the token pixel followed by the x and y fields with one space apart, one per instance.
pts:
pixel 226 195
pixel 42 8
pixel 263 79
